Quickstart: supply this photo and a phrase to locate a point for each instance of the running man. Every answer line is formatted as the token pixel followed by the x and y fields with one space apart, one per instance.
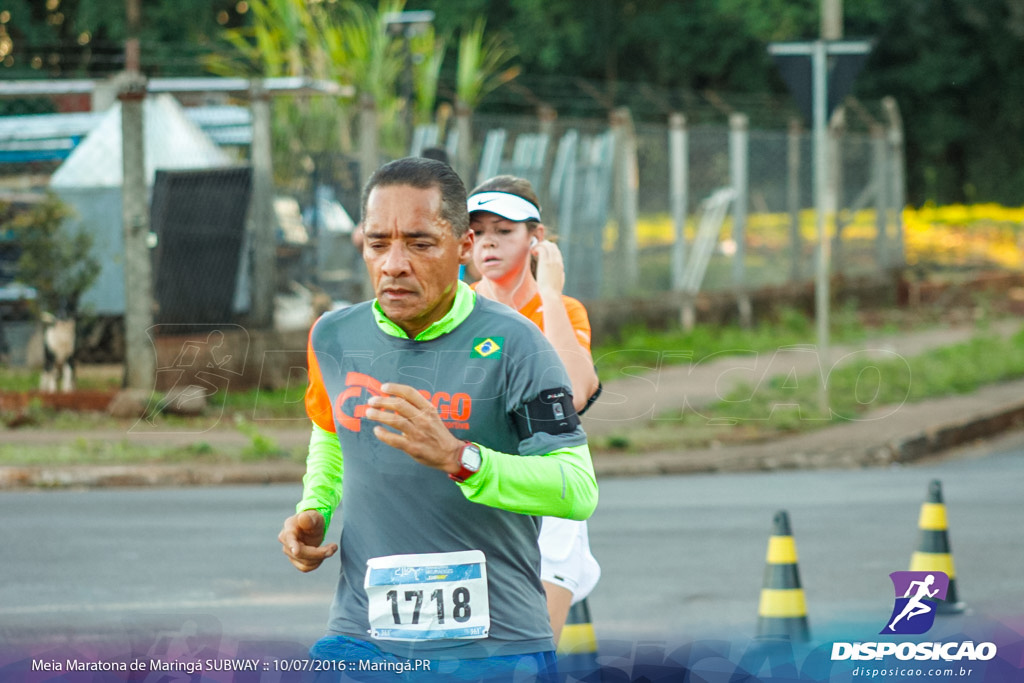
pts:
pixel 456 420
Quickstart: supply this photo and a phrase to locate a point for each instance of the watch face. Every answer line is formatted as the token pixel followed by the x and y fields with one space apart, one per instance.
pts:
pixel 470 458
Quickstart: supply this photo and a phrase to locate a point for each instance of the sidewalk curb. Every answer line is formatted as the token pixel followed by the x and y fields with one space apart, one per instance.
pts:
pixel 774 455
pixel 746 458
pixel 102 476
pixel 938 439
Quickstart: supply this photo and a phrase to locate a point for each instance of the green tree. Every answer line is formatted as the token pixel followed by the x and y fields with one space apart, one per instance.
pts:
pixel 428 50
pixel 953 67
pixel 58 265
pixel 62 38
pixel 279 40
pixel 368 57
pixel 344 42
pixel 483 65
pixel 282 38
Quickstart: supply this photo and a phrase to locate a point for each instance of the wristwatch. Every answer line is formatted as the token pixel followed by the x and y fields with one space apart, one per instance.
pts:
pixel 469 462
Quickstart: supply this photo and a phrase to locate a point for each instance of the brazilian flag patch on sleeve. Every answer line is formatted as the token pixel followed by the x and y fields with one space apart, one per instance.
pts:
pixel 487 347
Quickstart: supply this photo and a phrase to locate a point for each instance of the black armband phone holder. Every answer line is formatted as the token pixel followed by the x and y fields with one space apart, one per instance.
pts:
pixel 551 412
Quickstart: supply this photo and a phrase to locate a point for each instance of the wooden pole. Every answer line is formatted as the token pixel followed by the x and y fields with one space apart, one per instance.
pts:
pixel 140 357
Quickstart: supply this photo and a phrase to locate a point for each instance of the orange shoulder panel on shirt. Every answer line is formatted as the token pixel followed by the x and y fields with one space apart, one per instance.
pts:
pixel 318 402
pixel 578 317
pixel 532 310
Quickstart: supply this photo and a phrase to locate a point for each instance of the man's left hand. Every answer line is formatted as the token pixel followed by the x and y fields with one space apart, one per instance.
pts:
pixel 419 430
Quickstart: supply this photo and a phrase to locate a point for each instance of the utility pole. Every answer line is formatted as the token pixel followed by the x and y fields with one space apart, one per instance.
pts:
pixel 140 360
pixel 831 19
pixel 833 64
pixel 825 173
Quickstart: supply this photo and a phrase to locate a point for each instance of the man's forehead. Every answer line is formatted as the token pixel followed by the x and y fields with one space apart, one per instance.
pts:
pixel 408 193
pixel 405 208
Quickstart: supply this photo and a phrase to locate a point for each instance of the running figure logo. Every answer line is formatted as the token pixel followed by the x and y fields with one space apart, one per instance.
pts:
pixel 920 591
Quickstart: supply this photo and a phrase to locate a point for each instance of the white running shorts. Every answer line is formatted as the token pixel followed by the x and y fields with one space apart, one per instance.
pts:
pixel 565 558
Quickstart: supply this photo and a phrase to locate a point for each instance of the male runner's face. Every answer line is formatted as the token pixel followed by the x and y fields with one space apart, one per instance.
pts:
pixel 412 255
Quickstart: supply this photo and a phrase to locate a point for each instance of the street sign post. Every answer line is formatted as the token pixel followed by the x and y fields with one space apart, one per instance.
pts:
pixel 820 73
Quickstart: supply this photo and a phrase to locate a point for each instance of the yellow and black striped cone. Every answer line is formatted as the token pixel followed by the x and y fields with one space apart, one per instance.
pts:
pixel 933 552
pixel 578 632
pixel 577 646
pixel 783 608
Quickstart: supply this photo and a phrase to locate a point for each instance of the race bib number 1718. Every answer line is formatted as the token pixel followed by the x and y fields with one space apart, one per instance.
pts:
pixel 428 597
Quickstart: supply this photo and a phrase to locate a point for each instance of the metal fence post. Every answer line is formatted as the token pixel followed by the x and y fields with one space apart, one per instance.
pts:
pixel 824 203
pixel 463 139
pixel 898 179
pixel 793 159
pixel 563 193
pixel 547 118
pixel 369 152
pixel 878 179
pixel 739 145
pixel 625 187
pixel 836 131
pixel 490 157
pixel 261 213
pixel 678 199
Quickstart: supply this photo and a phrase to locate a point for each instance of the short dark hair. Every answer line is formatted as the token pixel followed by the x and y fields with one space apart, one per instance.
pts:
pixel 424 174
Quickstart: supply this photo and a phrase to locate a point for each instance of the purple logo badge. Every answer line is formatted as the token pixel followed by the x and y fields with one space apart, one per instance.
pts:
pixel 917 594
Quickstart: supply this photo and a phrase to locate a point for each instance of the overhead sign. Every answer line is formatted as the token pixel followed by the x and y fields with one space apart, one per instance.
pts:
pixel 795 64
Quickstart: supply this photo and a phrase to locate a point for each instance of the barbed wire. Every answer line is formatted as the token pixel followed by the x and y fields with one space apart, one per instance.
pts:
pixel 565 94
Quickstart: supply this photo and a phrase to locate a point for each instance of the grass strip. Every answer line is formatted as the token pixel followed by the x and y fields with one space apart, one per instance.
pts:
pixel 787 405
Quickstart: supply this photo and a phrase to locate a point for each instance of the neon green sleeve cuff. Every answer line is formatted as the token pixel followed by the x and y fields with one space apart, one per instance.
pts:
pixel 321 485
pixel 556 484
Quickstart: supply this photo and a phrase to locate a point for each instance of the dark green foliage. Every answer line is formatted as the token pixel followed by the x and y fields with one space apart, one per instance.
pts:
pixel 952 65
pixel 74 38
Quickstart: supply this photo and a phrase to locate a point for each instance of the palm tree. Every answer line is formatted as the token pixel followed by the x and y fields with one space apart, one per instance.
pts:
pixel 483 65
pixel 283 40
pixel 275 44
pixel 362 52
pixel 428 51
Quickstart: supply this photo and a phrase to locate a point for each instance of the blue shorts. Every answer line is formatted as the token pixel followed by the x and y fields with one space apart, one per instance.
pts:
pixel 364 661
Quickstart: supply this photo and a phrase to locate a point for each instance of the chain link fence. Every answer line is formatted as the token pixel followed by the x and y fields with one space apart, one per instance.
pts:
pixel 628 201
pixel 767 238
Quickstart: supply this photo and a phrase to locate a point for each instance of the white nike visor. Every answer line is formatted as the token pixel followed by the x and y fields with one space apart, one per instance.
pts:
pixel 510 206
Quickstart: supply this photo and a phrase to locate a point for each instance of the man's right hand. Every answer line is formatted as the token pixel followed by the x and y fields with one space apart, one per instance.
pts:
pixel 301 538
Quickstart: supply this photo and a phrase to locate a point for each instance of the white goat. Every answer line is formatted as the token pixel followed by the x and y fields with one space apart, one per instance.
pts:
pixel 58 354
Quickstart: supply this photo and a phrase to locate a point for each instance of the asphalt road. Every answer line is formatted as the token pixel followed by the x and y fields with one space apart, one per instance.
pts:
pixel 682 556
pixel 685 556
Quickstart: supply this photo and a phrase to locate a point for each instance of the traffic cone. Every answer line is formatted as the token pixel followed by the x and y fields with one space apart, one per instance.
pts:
pixel 783 609
pixel 578 632
pixel 933 553
pixel 577 647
